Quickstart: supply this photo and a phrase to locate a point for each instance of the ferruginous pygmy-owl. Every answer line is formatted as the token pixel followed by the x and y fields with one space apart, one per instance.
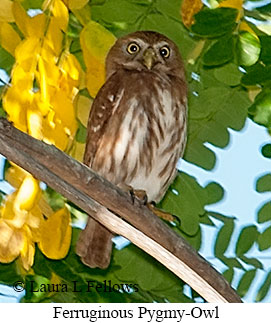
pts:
pixel 137 126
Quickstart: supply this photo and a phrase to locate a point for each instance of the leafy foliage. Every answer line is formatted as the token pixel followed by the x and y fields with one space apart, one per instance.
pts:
pixel 215 22
pixel 228 70
pixel 192 198
pixel 266 150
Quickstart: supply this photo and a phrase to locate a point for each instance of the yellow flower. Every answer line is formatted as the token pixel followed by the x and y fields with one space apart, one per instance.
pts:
pixel 11 242
pixel 23 222
pixel 45 79
pixel 56 235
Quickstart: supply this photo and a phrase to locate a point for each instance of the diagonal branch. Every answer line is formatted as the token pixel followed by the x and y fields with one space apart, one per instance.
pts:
pixel 97 196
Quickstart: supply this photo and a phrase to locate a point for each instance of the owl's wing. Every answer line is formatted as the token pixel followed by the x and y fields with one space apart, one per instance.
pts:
pixel 103 106
pixel 94 245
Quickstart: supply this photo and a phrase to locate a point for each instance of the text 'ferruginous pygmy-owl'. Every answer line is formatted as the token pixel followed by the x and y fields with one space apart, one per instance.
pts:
pixel 137 126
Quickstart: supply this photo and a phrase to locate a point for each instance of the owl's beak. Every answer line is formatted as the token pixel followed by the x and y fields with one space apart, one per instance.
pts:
pixel 149 58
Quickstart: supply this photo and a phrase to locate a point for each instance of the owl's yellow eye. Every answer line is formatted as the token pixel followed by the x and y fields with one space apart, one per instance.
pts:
pixel 133 48
pixel 164 51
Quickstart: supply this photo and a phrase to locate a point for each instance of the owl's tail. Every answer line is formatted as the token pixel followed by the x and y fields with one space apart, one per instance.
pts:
pixel 94 245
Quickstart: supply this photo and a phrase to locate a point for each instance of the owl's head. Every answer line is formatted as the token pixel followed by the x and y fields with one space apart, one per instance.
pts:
pixel 145 51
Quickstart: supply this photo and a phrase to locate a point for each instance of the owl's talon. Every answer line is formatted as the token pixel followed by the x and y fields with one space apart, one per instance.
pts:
pixel 176 221
pixel 140 195
pixel 145 199
pixel 132 195
pixel 164 215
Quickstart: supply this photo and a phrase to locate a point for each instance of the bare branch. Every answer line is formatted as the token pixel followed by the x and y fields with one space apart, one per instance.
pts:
pixel 97 196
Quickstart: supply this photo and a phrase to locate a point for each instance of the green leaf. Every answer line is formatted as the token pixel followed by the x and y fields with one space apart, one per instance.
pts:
pixel 194 240
pixel 264 239
pixel 264 27
pixel 117 11
pixel 265 288
pixel 261 109
pixel 215 192
pixel 33 283
pixel 32 4
pixel 6 60
pixel 231 262
pixel 2 111
pixel 81 133
pixel 257 74
pixel 198 154
pixel 170 8
pixel 221 217
pixel 9 274
pixel 246 239
pixel 223 238
pixel 264 9
pixel 265 49
pixel 214 22
pixel 249 49
pixel 185 199
pixel 56 200
pixel 264 213
pixel 252 261
pixel 211 113
pixel 220 52
pixel 264 183
pixel 156 280
pixel 228 74
pixel 245 282
pixel 206 219
pixel 266 150
pixel 228 274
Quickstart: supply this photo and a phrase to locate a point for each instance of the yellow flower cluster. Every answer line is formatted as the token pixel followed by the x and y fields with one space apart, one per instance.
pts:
pixel 45 77
pixel 44 82
pixel 23 223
